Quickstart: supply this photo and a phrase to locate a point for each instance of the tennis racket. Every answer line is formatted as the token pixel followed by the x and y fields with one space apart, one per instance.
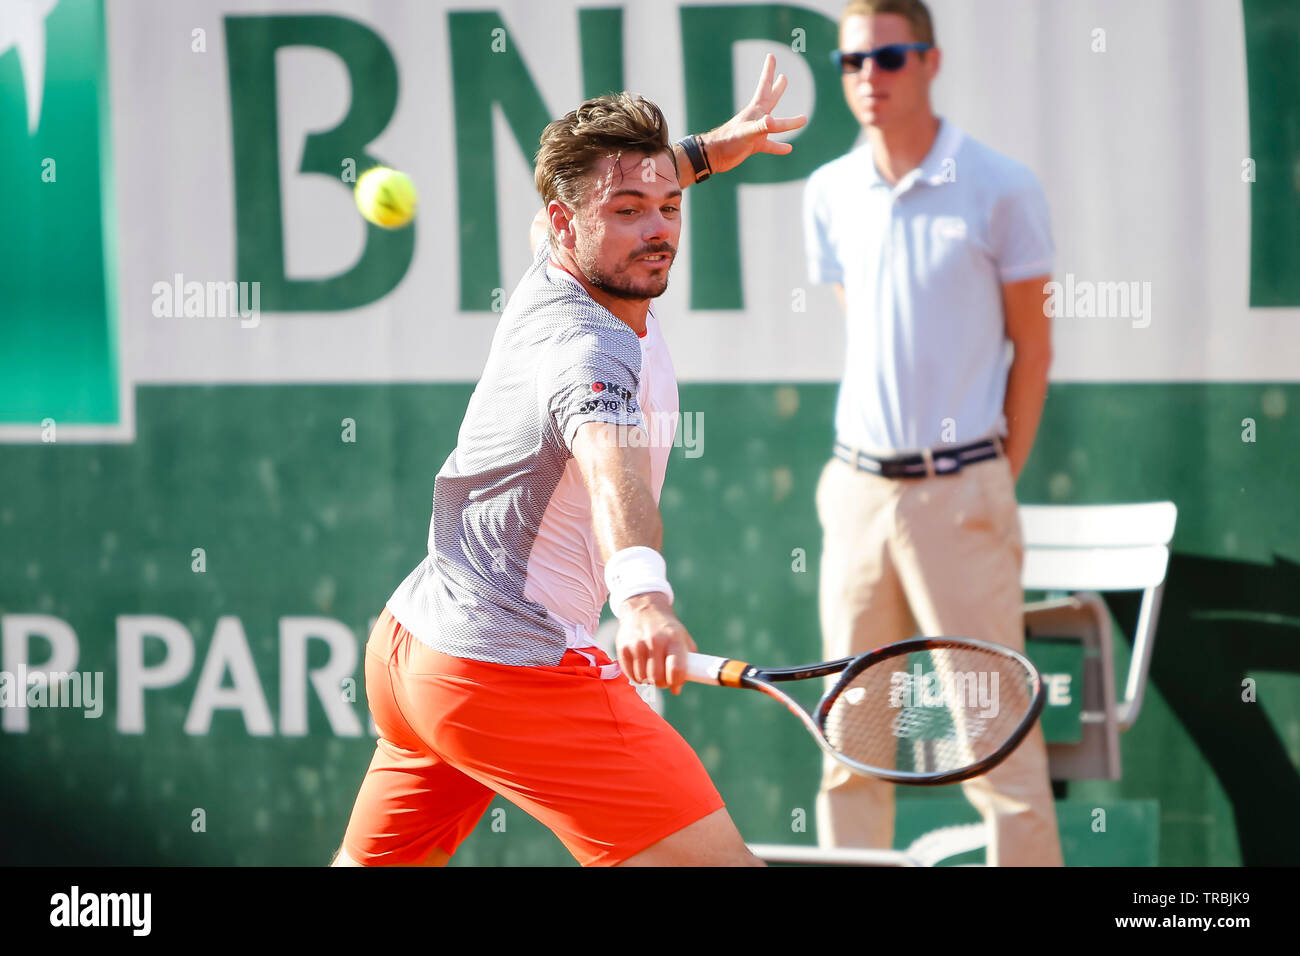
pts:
pixel 924 711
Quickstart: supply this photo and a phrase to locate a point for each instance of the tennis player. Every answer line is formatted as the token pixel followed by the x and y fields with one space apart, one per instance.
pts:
pixel 482 672
pixel 939 249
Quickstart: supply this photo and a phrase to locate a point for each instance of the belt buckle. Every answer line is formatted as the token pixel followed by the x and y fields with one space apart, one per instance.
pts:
pixel 928 456
pixel 946 464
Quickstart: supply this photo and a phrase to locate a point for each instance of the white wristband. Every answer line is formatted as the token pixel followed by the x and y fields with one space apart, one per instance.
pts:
pixel 632 571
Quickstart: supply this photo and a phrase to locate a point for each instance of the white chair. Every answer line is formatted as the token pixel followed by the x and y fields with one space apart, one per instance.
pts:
pixel 1081 550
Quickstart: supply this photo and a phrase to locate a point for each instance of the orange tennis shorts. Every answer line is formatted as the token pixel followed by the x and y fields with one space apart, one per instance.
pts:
pixel 587 757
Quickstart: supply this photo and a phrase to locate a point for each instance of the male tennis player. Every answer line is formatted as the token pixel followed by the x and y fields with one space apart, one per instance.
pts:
pixel 939 249
pixel 482 673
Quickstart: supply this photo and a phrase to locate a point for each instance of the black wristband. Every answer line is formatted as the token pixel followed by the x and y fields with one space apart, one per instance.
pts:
pixel 694 151
pixel 699 141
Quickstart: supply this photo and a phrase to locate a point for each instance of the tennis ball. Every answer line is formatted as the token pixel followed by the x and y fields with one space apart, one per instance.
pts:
pixel 386 197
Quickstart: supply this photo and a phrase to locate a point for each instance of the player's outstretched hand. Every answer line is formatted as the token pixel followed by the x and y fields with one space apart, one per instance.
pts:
pixel 652 643
pixel 747 132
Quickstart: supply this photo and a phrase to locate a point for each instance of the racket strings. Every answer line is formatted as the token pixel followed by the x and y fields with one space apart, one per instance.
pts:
pixel 932 711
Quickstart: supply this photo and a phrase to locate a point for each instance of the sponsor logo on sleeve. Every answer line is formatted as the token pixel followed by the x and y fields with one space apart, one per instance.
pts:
pixel 613 398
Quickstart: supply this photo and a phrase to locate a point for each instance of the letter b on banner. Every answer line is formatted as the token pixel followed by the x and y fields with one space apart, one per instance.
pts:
pixel 251 46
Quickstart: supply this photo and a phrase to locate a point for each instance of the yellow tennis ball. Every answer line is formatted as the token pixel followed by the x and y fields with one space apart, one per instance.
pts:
pixel 386 197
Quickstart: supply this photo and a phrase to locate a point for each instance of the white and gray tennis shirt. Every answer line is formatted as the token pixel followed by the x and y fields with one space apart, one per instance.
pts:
pixel 514 574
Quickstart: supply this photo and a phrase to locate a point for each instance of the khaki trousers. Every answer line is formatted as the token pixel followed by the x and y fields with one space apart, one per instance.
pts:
pixel 941 556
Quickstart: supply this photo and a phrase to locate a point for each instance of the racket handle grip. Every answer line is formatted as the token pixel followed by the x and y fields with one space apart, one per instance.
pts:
pixel 704 668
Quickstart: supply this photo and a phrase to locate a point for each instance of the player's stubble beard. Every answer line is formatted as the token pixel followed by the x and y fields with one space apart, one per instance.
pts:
pixel 617 283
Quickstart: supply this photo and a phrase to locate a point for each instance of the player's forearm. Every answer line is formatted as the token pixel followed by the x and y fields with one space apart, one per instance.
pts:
pixel 615 462
pixel 623 512
pixel 1023 406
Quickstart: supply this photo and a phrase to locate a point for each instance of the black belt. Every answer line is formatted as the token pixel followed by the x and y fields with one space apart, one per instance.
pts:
pixel 929 462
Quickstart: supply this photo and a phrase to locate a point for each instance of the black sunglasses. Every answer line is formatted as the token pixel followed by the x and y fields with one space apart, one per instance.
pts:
pixel 890 57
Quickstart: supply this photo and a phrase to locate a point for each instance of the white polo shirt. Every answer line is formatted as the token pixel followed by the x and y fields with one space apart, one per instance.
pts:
pixel 922 264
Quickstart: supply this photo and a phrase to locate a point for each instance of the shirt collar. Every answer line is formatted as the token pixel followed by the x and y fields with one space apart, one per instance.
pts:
pixel 938 166
pixel 935 170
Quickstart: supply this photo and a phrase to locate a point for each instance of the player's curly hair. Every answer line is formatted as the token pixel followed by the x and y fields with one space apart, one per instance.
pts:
pixel 914 11
pixel 609 125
